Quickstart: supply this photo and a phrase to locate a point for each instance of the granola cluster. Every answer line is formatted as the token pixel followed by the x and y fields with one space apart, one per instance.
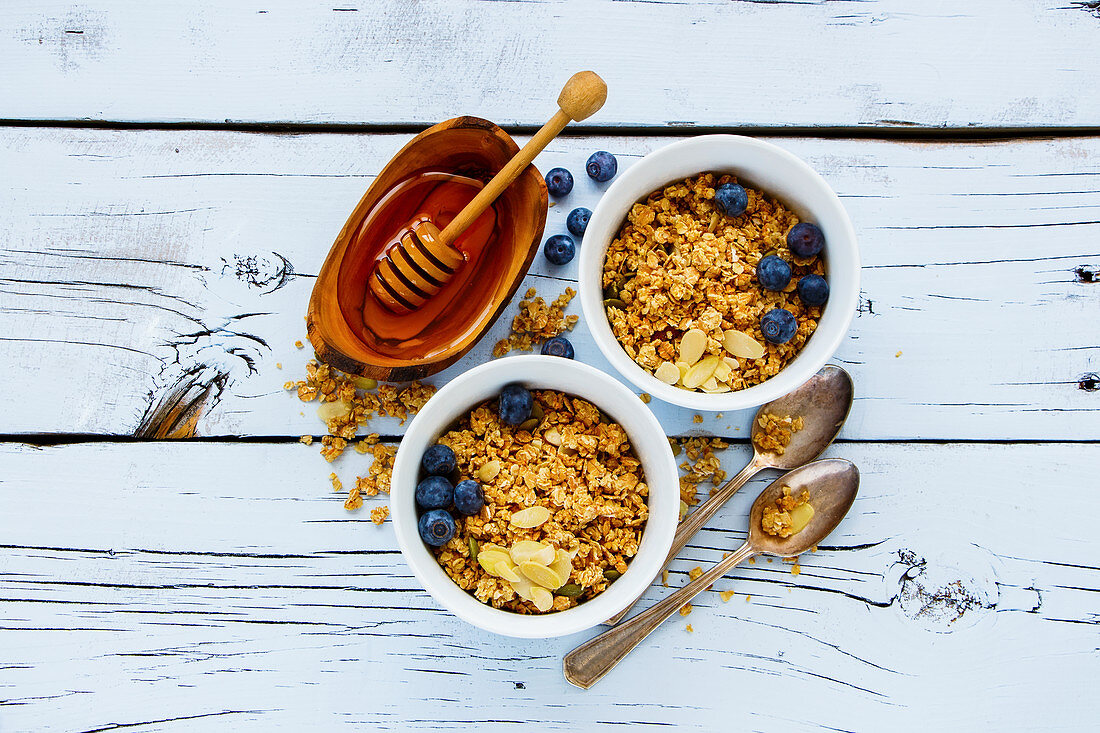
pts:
pixel 774 433
pixel 347 403
pixel 537 321
pixel 789 514
pixel 575 463
pixel 702 465
pixel 680 265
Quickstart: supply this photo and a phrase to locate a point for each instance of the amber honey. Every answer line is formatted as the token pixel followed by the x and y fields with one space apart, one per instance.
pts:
pixel 460 303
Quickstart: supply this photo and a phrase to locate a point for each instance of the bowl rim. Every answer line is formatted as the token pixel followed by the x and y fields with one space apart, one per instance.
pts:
pixel 540 372
pixel 840 309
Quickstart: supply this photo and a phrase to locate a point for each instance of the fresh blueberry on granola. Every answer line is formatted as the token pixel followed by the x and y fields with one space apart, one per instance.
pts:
pixel 577 221
pixel 778 325
pixel 773 273
pixel 434 492
pixel 558 346
pixel 731 199
pixel 813 289
pixel 469 498
pixel 514 404
pixel 559 182
pixel 559 249
pixel 805 240
pixel 439 460
pixel 601 166
pixel 436 527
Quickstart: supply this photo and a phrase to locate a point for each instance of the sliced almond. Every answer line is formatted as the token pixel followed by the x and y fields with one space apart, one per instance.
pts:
pixel 523 587
pixel 488 470
pixel 701 372
pixel 667 373
pixel 505 569
pixel 530 517
pixel 524 550
pixel 800 517
pixel 489 559
pixel 542 598
pixel 563 564
pixel 734 364
pixel 742 345
pixel 552 436
pixel 722 387
pixel 711 384
pixel 692 345
pixel 541 575
pixel 683 509
pixel 365 382
pixel 684 368
pixel 545 556
pixel 332 410
pixel 723 371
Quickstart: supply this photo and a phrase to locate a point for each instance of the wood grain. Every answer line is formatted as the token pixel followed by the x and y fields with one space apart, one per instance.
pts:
pixel 170 581
pixel 669 64
pixel 143 269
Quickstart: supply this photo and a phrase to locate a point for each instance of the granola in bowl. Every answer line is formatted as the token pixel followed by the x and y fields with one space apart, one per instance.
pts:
pixel 689 296
pixel 564 504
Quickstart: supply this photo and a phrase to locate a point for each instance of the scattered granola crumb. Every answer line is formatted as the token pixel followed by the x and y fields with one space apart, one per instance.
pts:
pixel 702 465
pixel 689 629
pixel 336 483
pixel 796 569
pixel 664 577
pixel 537 322
pixel 289 386
pixel 775 432
pixel 748 598
pixel 686 609
pixel 278 365
pixel 697 418
pixel 645 397
pixel 379 514
pixel 897 355
pixel 332 447
pixel 298 345
pixel 354 500
pixel 726 595
pixel 813 549
pixel 306 440
pixel 378 475
pixel 695 572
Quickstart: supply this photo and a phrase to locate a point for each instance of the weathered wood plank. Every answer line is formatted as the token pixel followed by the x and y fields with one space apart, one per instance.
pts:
pixel 669 64
pixel 171 581
pixel 140 264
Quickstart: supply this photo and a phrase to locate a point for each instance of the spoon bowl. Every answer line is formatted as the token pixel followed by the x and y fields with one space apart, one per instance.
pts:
pixel 832 484
pixel 823 403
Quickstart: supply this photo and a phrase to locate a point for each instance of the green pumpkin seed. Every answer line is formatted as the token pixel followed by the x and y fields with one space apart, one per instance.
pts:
pixel 614 303
pixel 473 547
pixel 675 447
pixel 537 412
pixel 569 590
pixel 612 574
pixel 529 424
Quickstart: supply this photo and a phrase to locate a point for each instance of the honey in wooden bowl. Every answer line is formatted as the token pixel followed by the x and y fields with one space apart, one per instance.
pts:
pixel 435 175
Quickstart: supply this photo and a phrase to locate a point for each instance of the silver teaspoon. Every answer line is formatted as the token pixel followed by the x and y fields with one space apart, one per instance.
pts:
pixel 823 404
pixel 832 484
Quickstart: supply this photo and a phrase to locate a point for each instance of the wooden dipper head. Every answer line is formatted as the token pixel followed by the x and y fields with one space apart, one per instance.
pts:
pixel 424 258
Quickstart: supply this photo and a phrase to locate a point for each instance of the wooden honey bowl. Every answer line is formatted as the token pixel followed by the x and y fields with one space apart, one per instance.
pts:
pixel 441 168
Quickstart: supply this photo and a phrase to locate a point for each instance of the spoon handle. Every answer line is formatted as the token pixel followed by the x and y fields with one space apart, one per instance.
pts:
pixel 697 519
pixel 586 664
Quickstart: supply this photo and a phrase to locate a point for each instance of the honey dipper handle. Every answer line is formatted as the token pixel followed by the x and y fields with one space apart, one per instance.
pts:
pixel 581 97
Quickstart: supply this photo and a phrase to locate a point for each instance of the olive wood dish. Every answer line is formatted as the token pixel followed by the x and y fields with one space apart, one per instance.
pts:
pixel 394 350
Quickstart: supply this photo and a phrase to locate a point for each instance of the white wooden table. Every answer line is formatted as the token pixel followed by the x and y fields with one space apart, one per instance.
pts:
pixel 172 179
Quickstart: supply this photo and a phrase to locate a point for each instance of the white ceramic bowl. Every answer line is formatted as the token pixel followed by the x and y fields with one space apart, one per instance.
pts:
pixel 758 164
pixel 538 372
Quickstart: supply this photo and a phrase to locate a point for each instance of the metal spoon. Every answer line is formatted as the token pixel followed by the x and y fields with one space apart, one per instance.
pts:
pixel 832 484
pixel 823 404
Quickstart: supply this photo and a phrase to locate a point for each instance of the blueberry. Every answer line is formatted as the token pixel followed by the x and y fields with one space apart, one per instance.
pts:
pixel 813 290
pixel 559 249
pixel 559 182
pixel 773 273
pixel 778 325
pixel 439 460
pixel 731 199
pixel 514 405
pixel 601 166
pixel 805 240
pixel 469 497
pixel 434 492
pixel 436 527
pixel 577 221
pixel 558 346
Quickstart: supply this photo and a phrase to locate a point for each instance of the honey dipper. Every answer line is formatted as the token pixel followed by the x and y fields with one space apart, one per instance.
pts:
pixel 425 258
